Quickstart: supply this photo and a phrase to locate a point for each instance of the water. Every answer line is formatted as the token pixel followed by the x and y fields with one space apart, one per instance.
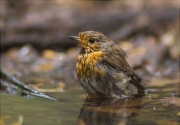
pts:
pixel 155 108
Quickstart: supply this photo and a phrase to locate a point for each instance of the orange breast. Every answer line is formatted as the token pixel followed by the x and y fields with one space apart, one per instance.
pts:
pixel 88 64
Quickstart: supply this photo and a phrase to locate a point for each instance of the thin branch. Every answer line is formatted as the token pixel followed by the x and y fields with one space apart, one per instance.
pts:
pixel 23 87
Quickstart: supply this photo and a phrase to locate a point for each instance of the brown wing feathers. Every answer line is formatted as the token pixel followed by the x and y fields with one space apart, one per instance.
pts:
pixel 117 61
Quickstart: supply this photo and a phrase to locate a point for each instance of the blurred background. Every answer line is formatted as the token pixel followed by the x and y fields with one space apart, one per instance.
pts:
pixel 36 49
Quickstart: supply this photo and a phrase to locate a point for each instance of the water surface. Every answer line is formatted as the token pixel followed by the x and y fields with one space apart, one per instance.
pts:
pixel 155 108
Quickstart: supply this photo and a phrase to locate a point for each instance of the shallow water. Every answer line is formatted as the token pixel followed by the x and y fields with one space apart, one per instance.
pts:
pixel 155 108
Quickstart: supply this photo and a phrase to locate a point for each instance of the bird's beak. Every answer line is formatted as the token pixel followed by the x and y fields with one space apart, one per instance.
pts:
pixel 81 43
pixel 74 38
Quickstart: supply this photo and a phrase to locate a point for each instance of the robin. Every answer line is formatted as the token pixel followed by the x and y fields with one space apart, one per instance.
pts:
pixel 102 69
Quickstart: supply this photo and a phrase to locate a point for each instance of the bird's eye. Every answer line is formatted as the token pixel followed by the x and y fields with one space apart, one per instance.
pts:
pixel 92 40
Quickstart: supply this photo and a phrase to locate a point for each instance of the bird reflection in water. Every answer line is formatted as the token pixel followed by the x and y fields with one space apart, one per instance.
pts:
pixel 111 111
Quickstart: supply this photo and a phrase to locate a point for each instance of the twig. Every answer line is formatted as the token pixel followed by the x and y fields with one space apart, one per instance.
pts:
pixel 23 87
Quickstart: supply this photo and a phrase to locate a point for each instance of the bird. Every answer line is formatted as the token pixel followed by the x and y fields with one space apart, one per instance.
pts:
pixel 102 68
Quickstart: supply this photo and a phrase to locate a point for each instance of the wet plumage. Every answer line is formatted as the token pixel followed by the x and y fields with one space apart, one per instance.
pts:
pixel 102 68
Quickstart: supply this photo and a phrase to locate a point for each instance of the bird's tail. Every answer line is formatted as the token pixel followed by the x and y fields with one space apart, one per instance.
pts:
pixel 136 81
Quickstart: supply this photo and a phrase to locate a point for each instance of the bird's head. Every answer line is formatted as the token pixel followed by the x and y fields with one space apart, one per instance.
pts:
pixel 92 40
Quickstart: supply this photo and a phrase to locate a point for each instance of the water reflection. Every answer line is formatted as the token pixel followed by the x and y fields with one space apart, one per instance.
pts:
pixel 108 111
